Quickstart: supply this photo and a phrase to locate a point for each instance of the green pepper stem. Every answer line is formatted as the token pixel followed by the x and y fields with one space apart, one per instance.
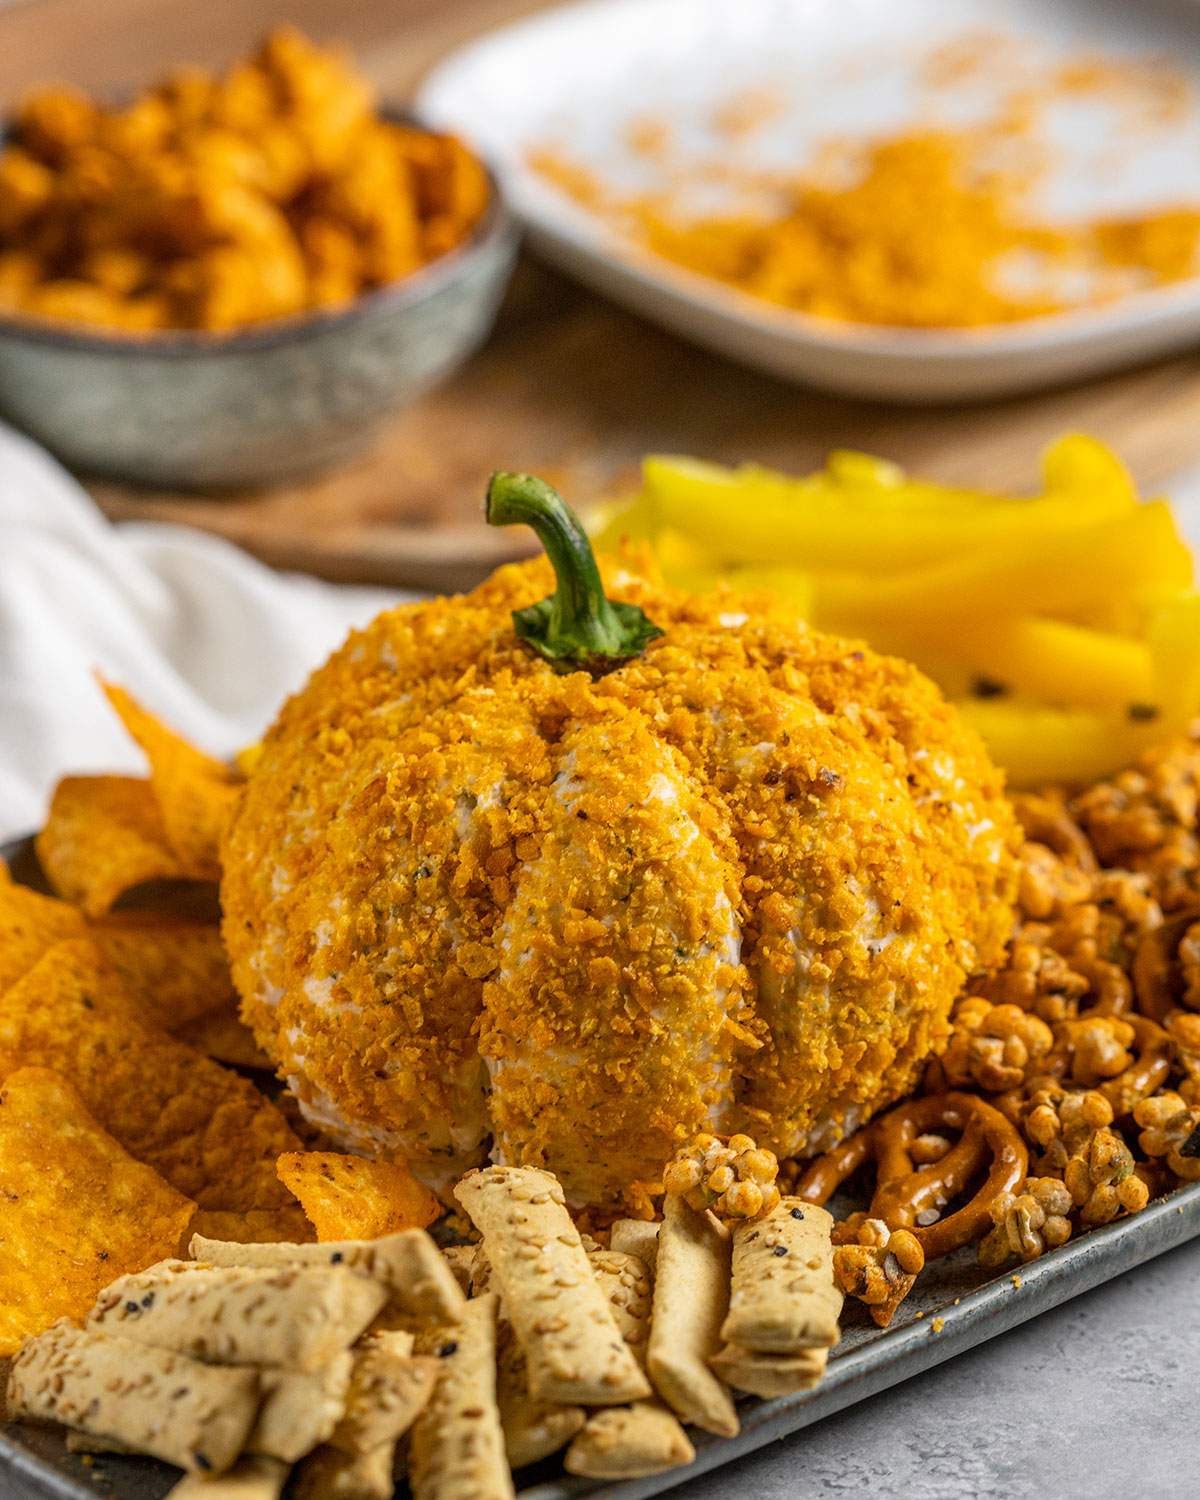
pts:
pixel 577 627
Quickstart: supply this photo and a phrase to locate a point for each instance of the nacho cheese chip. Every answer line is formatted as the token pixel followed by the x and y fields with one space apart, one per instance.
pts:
pixel 278 1226
pixel 194 791
pixel 353 1198
pixel 208 1131
pixel 176 969
pixel 75 1208
pixel 104 836
pixel 29 924
pixel 222 1035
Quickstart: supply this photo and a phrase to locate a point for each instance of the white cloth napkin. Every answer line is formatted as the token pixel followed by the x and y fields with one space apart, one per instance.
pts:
pixel 206 637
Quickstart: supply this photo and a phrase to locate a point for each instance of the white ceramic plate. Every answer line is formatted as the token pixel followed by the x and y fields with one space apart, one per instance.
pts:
pixel 577 75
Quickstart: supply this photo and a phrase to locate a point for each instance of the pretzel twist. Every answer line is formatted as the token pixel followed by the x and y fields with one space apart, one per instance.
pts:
pixel 904 1193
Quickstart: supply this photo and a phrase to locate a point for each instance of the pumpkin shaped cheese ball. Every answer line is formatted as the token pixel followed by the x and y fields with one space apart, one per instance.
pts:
pixel 566 879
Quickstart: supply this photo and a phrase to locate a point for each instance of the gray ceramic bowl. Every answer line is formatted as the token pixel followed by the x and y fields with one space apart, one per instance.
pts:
pixel 210 411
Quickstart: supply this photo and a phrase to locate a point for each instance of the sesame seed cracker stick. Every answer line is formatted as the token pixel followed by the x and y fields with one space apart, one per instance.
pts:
pixel 636 1237
pixel 330 1474
pixel 783 1297
pixel 153 1400
pixel 560 1316
pixel 409 1264
pixel 300 1409
pixel 629 1442
pixel 291 1317
pixel 691 1297
pixel 388 1391
pixel 456 1451
pixel 769 1375
pixel 251 1478
pixel 533 1429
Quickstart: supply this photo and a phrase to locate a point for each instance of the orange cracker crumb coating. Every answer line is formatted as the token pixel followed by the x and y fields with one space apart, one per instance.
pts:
pixel 736 883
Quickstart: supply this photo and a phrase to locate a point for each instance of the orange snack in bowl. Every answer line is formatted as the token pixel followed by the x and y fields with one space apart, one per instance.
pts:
pixel 217 202
pixel 355 1198
pixel 75 1208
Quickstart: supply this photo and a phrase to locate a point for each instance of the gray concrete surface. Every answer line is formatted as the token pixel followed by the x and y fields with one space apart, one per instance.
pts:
pixel 1096 1400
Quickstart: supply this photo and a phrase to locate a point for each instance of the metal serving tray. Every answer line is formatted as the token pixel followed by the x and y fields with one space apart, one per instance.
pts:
pixel 954 1306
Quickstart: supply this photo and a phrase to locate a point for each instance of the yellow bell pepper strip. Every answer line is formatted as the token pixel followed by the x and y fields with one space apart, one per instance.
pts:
pixel 1069 570
pixel 1051 661
pixel 1083 467
pixel 1036 745
pixel 751 515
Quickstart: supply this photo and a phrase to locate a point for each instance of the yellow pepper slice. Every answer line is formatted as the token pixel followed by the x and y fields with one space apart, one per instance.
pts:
pixel 1036 745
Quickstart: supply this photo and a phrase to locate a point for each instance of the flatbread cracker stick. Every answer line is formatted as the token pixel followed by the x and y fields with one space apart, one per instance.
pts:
pixel 625 1281
pixel 154 1401
pixel 533 1429
pixel 330 1474
pixel 409 1264
pixel 300 1410
pixel 636 1237
pixel 456 1451
pixel 291 1318
pixel 251 1478
pixel 460 1259
pixel 783 1296
pixel 691 1297
pixel 560 1316
pixel 770 1375
pixel 629 1442
pixel 389 1389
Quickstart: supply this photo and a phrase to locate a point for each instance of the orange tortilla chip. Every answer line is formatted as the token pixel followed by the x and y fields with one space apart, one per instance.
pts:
pixel 104 836
pixel 353 1198
pixel 222 1035
pixel 176 969
pixel 76 1211
pixel 283 1226
pixel 29 924
pixel 194 791
pixel 209 1132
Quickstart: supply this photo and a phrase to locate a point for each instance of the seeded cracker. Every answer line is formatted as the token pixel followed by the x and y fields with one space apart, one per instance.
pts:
pixel 691 1297
pixel 389 1389
pixel 290 1318
pixel 628 1442
pixel 457 1446
pixel 409 1265
pixel 783 1297
pixel 560 1316
pixel 154 1401
pixel 636 1237
pixel 769 1375
pixel 330 1474
pixel 249 1479
pixel 300 1409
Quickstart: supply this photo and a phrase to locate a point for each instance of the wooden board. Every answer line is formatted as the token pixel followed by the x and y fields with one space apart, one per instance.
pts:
pixel 570 386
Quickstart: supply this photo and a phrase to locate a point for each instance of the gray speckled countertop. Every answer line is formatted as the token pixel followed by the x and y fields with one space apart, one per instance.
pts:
pixel 1092 1401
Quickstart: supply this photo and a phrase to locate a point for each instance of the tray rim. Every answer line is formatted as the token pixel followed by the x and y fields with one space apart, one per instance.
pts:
pixel 885 1358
